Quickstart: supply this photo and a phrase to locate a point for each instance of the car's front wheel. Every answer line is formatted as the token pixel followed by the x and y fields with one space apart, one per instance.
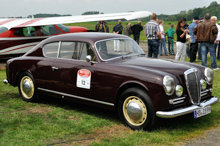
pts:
pixel 136 109
pixel 27 88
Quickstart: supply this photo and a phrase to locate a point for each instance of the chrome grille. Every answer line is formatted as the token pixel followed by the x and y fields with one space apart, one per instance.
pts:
pixel 193 85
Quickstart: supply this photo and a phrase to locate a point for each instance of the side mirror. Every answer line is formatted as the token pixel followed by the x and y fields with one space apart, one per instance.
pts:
pixel 88 58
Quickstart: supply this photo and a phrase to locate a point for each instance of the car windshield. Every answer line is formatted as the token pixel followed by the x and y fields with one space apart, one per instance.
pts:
pixel 3 29
pixel 109 49
pixel 63 27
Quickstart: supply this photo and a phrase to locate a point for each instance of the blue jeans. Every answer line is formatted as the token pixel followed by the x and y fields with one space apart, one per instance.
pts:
pixel 163 43
pixel 199 52
pixel 153 48
pixel 205 48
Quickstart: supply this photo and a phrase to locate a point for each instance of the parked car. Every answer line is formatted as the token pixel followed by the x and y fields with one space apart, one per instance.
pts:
pixel 111 71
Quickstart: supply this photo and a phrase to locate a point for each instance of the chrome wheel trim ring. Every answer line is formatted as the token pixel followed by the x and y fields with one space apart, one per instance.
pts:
pixel 134 110
pixel 27 87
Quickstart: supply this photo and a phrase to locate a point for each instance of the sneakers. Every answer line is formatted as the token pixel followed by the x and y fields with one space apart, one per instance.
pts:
pixel 216 68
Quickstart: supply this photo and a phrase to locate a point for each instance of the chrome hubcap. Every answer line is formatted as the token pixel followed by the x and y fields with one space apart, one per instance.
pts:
pixel 27 87
pixel 134 110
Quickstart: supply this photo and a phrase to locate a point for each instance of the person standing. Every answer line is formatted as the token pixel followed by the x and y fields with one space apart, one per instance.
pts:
pixel 102 26
pixel 136 29
pixel 118 28
pixel 181 40
pixel 152 33
pixel 214 20
pixel 163 41
pixel 170 34
pixel 193 44
pixel 206 33
pixel 127 30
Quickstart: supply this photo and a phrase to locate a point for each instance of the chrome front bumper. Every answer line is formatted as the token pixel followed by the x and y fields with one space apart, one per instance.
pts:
pixel 186 110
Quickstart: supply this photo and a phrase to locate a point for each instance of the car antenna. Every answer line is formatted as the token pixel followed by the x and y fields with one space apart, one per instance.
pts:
pixel 32 16
pixel 11 15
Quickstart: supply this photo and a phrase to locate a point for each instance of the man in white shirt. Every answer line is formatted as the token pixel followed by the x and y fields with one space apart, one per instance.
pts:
pixel 163 41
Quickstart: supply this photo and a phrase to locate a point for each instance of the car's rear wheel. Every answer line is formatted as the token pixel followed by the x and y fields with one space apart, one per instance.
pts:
pixel 27 88
pixel 136 109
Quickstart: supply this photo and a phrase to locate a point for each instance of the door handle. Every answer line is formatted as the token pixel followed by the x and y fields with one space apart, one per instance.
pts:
pixel 54 68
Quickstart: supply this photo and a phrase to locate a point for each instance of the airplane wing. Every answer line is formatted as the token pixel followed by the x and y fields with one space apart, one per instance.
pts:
pixel 20 22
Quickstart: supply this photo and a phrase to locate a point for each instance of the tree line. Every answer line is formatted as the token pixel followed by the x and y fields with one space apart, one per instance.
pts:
pixel 213 9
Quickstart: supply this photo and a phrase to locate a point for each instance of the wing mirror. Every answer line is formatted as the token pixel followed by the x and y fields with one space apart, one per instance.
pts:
pixel 88 58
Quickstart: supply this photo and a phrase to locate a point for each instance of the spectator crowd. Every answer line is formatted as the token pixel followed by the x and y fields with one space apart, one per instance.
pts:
pixel 200 37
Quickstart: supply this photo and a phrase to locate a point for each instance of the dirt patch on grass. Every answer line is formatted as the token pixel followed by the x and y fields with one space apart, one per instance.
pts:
pixel 37 110
pixel 211 137
pixel 2 66
pixel 107 133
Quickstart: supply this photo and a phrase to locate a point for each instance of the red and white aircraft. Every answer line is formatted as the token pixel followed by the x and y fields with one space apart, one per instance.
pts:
pixel 17 36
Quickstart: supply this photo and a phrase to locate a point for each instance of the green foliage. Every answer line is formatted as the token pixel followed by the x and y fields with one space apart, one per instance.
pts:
pixel 213 9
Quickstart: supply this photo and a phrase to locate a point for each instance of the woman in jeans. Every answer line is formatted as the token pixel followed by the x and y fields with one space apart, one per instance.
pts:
pixel 181 40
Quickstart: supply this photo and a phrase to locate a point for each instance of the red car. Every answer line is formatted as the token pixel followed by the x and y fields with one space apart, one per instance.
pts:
pixel 111 71
pixel 17 41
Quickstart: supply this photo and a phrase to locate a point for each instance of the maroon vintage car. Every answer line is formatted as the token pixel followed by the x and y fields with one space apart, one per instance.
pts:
pixel 111 71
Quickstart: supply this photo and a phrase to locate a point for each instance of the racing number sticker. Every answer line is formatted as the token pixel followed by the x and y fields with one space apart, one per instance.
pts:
pixel 83 79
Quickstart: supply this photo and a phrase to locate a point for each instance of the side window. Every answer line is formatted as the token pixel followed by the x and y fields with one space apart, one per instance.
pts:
pixel 76 50
pixel 48 30
pixel 26 31
pixel 51 50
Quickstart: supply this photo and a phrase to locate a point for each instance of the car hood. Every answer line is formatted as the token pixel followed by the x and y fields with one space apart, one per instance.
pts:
pixel 168 66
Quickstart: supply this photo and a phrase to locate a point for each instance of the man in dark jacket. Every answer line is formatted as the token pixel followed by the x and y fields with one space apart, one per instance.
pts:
pixel 136 29
pixel 206 34
pixel 127 30
pixel 118 28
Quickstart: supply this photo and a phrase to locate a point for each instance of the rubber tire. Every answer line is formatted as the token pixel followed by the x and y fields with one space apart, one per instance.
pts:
pixel 150 122
pixel 34 97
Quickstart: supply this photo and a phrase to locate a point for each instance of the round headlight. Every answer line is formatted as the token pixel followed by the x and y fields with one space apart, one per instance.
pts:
pixel 209 75
pixel 179 90
pixel 168 84
pixel 203 84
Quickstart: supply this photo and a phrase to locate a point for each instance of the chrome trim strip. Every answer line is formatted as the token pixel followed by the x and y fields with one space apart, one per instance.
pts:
pixel 203 93
pixel 207 90
pixel 178 102
pixel 186 110
pixel 179 98
pixel 77 97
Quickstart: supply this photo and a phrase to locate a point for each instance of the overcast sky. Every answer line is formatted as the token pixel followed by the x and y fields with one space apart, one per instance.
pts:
pixel 24 8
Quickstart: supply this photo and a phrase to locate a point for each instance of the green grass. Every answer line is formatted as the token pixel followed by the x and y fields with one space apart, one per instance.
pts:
pixel 56 121
pixel 91 26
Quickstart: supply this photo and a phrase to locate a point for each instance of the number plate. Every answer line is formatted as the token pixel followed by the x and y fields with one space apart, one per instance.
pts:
pixel 202 111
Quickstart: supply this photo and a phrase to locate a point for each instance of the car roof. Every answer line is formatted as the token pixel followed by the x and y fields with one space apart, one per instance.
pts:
pixel 90 37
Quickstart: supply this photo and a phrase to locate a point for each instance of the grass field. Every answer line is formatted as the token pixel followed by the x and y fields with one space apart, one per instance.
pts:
pixel 59 122
pixel 91 26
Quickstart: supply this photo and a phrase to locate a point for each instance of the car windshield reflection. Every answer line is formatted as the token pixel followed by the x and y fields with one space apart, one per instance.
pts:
pixel 114 48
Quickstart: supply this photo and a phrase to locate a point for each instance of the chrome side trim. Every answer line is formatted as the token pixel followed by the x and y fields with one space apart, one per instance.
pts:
pixel 205 92
pixel 177 100
pixel 186 110
pixel 77 97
